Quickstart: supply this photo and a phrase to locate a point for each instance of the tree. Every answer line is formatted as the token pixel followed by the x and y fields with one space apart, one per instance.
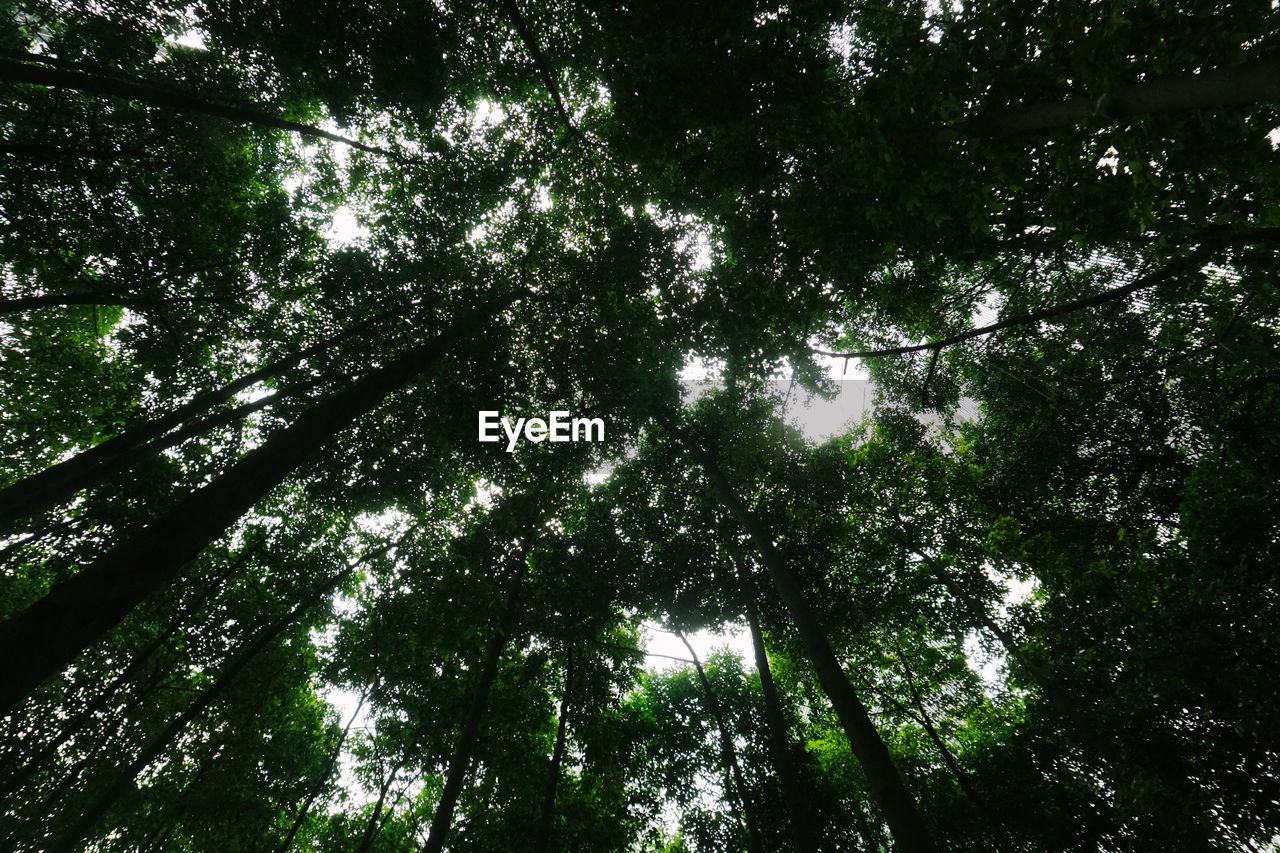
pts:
pixel 1024 605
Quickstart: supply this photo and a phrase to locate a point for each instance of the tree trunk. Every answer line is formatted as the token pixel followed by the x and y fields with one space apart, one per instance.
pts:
pixel 320 781
pixel 728 755
pixel 160 741
pixel 1208 90
pixel 899 809
pixel 977 611
pixel 460 761
pixel 88 468
pixel 132 456
pixel 48 635
pixel 799 820
pixel 546 822
pixel 540 62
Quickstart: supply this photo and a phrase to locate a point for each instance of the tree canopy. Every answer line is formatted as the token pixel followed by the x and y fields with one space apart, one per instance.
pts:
pixel 263 266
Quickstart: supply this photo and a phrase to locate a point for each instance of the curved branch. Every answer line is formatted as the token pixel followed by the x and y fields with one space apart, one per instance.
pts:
pixel 28 303
pixel 1106 296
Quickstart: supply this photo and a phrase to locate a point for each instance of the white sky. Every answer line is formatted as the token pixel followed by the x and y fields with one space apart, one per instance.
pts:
pixel 661 642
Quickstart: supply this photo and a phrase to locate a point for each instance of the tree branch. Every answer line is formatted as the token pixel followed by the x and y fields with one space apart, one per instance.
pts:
pixel 1106 296
pixel 1212 89
pixel 27 303
pixel 138 89
pixel 540 62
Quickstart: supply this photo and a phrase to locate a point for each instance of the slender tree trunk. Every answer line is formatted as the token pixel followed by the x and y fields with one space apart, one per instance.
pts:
pixel 799 820
pixel 1207 90
pixel 540 62
pixel 546 822
pixel 908 828
pixel 321 780
pixel 374 826
pixel 47 636
pixel 977 611
pixel 124 780
pixel 728 755
pixel 90 467
pixel 460 761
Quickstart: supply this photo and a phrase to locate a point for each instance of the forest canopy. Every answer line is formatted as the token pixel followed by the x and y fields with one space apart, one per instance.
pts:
pixel 264 587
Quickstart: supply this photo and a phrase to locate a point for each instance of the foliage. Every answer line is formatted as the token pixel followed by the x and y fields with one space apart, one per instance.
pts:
pixel 1041 570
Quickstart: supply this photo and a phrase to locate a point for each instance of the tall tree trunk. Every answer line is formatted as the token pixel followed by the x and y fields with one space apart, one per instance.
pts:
pixel 546 822
pixel 899 809
pixel 540 62
pixel 799 820
pixel 728 755
pixel 49 634
pixel 977 611
pixel 1212 89
pixel 59 482
pixel 124 780
pixel 460 761
pixel 131 457
pixel 322 779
